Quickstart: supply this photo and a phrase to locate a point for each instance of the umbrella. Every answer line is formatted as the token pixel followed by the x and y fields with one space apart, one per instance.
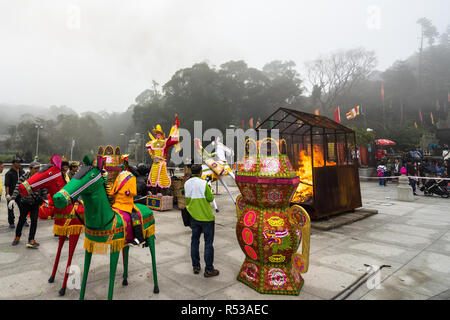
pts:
pixel 384 142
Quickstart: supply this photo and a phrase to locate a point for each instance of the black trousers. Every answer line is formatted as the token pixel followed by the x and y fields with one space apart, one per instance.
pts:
pixel 34 211
pixel 10 214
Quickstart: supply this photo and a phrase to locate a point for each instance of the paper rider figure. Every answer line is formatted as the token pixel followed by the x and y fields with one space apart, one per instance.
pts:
pixel 222 152
pixel 122 192
pixel 158 148
pixel 213 170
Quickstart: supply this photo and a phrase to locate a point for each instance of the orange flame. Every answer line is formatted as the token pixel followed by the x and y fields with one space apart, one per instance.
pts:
pixel 305 189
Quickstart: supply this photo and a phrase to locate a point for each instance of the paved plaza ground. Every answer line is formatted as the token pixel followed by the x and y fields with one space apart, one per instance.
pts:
pixel 412 237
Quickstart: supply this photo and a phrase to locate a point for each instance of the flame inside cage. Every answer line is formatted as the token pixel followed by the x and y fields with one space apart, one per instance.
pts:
pixel 305 189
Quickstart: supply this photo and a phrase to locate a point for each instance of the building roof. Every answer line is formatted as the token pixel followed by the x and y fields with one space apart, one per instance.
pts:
pixel 294 122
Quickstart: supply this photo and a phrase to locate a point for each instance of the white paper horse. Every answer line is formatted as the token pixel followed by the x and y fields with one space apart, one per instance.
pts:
pixel 213 170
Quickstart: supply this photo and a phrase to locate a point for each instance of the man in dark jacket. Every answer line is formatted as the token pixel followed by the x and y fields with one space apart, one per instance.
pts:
pixel 411 171
pixel 28 204
pixel 11 178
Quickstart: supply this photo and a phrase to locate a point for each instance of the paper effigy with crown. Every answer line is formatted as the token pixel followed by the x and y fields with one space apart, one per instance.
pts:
pixel 159 181
pixel 269 230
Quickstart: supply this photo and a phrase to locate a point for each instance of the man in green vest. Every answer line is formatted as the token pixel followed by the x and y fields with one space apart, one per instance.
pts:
pixel 198 196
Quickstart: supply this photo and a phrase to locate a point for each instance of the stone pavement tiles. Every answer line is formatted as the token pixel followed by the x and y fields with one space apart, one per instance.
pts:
pixel 412 237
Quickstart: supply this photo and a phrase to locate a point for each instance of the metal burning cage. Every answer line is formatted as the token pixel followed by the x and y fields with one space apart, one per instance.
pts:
pixel 323 153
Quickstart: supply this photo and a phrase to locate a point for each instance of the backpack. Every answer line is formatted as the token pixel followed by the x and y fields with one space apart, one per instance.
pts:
pixel 186 217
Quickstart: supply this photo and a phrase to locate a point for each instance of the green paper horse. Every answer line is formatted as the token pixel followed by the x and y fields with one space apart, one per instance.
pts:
pixel 104 227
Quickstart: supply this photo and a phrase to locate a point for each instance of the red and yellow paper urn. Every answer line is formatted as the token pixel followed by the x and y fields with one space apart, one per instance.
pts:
pixel 268 229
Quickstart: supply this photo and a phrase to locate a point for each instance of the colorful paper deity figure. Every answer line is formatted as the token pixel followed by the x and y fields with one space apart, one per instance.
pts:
pixel 215 170
pixel 122 193
pixel 158 148
pixel 222 152
pixel 269 230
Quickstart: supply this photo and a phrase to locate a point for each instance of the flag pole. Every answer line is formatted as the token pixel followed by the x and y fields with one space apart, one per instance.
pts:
pixel 365 117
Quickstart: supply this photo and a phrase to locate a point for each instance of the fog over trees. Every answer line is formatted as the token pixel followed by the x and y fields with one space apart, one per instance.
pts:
pixel 235 92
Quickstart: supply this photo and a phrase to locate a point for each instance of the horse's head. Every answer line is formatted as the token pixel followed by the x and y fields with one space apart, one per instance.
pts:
pixel 49 177
pixel 84 181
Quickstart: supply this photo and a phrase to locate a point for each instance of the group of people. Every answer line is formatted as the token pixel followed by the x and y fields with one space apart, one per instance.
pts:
pixel 27 205
pixel 413 166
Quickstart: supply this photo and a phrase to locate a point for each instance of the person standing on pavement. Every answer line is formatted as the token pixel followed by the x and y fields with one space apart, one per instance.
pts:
pixel 198 197
pixel 28 204
pixel 381 172
pixel 11 178
pixel 1 184
pixel 412 171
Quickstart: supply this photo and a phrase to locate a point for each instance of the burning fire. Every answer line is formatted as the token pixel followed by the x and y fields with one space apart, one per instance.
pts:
pixel 304 190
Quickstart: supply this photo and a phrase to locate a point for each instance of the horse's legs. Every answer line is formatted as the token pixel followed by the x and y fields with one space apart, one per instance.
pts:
pixel 125 251
pixel 62 239
pixel 113 258
pixel 87 263
pixel 151 242
pixel 73 240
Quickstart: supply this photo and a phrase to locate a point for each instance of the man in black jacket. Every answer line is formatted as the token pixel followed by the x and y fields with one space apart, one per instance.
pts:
pixel 11 178
pixel 412 171
pixel 28 204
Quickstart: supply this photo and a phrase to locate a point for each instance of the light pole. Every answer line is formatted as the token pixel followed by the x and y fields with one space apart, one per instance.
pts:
pixel 71 148
pixel 38 126
pixel 126 142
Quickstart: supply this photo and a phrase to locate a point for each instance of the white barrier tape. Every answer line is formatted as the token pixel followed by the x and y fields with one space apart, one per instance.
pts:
pixel 412 177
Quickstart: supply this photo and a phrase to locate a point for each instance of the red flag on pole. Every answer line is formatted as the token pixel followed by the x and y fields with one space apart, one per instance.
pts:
pixel 316 112
pixel 382 92
pixel 420 115
pixel 337 115
pixel 250 123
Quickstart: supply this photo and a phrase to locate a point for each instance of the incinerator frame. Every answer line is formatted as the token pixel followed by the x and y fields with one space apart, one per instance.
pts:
pixel 335 177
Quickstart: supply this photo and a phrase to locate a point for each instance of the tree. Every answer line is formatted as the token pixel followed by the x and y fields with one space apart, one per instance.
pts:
pixel 363 137
pixel 402 85
pixel 148 108
pixel 338 73
pixel 428 31
pixel 196 88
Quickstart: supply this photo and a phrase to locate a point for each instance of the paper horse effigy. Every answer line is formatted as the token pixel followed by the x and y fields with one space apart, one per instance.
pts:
pixel 158 148
pixel 269 230
pixel 105 227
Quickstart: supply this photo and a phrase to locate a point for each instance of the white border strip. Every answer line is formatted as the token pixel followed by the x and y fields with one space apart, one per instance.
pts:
pixel 86 185
pixel 45 180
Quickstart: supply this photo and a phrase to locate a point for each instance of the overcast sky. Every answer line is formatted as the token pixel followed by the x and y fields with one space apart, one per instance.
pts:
pixel 100 54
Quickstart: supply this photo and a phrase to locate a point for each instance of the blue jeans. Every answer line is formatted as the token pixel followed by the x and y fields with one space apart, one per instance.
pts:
pixel 207 228
pixel 382 182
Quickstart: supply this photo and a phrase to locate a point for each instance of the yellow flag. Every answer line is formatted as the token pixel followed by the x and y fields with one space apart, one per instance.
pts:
pixel 415 125
pixel 432 118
